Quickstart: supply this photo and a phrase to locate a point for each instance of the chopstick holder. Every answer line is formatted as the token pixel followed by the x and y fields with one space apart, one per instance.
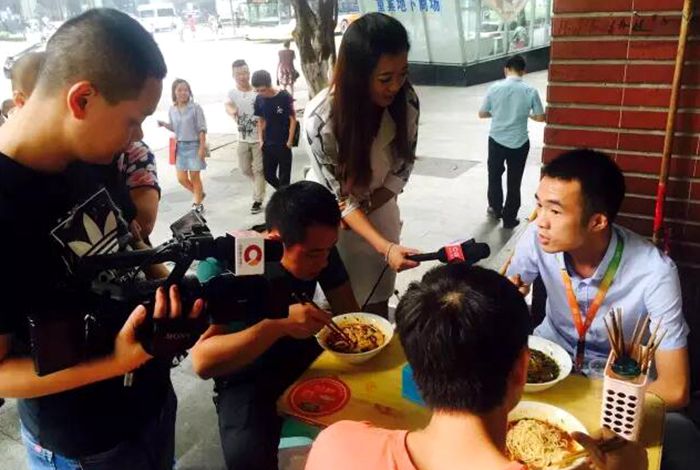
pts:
pixel 622 408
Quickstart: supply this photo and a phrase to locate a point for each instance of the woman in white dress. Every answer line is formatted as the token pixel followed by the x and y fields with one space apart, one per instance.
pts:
pixel 361 137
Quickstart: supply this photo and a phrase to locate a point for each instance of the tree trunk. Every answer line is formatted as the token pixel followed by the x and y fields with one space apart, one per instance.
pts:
pixel 315 38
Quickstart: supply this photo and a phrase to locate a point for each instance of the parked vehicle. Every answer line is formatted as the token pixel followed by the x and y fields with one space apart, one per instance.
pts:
pixel 158 17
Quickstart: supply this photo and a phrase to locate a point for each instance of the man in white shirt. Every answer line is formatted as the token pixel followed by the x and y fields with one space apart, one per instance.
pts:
pixel 240 106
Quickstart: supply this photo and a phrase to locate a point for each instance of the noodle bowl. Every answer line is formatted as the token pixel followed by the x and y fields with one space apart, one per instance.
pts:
pixel 536 443
pixel 363 337
pixel 369 334
pixel 539 436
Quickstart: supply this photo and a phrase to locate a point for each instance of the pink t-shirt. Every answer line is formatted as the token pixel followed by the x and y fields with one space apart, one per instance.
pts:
pixel 352 445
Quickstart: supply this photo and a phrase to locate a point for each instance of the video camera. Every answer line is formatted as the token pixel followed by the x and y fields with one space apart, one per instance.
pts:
pixel 108 286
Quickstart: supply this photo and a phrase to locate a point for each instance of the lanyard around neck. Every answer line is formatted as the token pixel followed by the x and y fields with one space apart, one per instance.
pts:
pixel 581 325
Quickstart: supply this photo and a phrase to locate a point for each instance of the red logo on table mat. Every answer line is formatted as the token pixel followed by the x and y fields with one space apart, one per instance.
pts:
pixel 318 397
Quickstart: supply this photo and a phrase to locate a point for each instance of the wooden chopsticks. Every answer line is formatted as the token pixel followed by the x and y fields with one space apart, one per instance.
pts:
pixel 642 355
pixel 304 299
pixel 607 445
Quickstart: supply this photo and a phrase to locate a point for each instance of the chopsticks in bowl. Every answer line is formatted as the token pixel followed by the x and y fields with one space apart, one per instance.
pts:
pixel 304 299
pixel 607 445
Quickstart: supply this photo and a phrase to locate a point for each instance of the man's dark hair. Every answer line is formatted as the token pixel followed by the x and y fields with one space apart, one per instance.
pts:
pixel 239 63
pixel 261 78
pixel 602 182
pixel 516 63
pixel 294 208
pixel 462 329
pixel 106 47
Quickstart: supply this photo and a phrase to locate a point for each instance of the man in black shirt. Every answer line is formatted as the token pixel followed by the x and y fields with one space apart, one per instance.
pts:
pixel 254 362
pixel 276 125
pixel 54 181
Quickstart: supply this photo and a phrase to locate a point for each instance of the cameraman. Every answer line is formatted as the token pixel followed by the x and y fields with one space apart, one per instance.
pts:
pixel 54 158
pixel 253 366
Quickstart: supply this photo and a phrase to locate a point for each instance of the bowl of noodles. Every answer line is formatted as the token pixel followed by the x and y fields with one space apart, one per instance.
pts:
pixel 549 364
pixel 369 334
pixel 539 436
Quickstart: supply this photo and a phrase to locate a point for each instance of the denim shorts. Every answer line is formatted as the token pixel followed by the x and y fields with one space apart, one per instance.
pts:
pixel 186 156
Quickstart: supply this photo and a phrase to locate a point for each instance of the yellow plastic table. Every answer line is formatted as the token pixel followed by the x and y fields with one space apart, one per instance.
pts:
pixel 375 396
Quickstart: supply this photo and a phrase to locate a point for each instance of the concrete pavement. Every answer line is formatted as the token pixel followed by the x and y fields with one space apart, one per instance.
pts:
pixel 445 200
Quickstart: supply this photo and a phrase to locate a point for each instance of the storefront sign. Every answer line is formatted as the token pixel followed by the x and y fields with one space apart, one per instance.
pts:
pixel 404 6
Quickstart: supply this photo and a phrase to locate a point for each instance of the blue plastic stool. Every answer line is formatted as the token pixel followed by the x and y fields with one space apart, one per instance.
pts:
pixel 295 433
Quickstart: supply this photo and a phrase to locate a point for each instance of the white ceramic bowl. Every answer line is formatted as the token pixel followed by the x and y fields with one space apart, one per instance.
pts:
pixel 549 414
pixel 556 352
pixel 382 324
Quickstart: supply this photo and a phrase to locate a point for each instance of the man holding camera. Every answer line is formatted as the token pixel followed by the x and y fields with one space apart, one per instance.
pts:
pixel 79 410
pixel 254 362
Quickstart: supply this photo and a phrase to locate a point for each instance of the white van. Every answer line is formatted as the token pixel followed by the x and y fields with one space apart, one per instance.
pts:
pixel 158 16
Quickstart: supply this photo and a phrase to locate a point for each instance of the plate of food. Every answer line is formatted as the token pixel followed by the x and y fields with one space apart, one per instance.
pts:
pixel 368 334
pixel 539 436
pixel 549 364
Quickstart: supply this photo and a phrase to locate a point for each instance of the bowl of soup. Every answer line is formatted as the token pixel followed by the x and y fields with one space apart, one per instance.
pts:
pixel 368 334
pixel 549 364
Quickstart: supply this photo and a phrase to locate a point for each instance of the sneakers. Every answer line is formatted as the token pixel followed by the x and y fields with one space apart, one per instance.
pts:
pixel 510 224
pixel 199 208
pixel 256 208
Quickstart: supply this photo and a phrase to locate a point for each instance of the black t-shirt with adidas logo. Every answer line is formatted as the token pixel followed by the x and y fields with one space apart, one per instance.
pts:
pixel 93 418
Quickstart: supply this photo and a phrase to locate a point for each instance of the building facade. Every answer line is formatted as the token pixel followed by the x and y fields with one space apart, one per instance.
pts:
pixel 463 42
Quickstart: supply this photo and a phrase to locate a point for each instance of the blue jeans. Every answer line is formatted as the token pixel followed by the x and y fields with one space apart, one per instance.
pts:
pixel 153 448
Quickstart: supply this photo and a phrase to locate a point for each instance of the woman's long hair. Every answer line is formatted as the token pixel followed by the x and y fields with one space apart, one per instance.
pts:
pixel 354 122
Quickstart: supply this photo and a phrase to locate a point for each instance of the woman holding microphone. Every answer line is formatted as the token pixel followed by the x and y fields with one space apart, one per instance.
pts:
pixel 362 134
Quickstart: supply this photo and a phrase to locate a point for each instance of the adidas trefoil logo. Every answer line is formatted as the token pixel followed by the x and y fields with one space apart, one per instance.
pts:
pixel 101 241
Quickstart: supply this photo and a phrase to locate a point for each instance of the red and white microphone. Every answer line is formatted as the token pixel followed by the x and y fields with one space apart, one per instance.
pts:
pixel 466 252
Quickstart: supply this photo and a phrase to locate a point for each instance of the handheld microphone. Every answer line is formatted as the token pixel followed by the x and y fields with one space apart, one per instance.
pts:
pixel 466 252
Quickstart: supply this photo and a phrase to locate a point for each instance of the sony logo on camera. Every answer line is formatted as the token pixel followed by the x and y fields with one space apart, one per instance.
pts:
pixel 249 258
pixel 176 336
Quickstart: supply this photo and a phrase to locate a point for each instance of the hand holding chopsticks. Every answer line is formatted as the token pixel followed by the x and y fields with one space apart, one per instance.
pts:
pixel 304 299
pixel 610 451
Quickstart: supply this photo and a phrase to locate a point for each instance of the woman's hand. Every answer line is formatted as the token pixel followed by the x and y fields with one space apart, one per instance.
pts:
pixel 202 152
pixel 396 257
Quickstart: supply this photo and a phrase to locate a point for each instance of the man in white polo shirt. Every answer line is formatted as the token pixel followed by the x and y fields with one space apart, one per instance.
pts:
pixel 239 106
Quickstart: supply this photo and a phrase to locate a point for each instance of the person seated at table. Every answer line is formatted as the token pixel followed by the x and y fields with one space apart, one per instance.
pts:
pixel 574 245
pixel 470 370
pixel 253 367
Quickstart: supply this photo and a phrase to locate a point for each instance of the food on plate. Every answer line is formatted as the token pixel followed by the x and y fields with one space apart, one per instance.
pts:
pixel 542 368
pixel 537 444
pixel 364 337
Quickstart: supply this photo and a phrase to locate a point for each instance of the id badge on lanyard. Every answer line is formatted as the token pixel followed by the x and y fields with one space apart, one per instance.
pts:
pixel 581 325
